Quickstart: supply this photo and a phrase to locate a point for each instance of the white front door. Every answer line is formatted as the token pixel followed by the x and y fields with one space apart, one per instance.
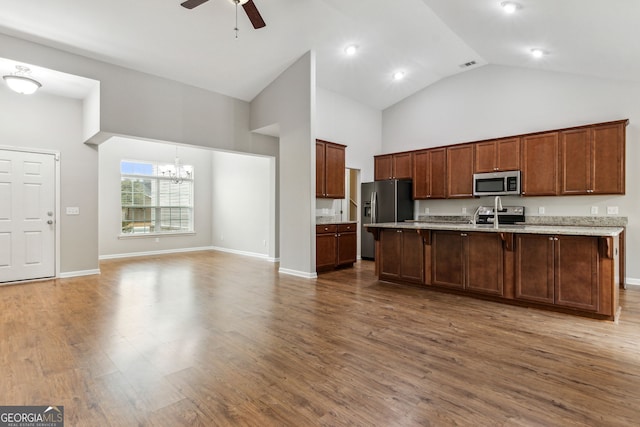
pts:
pixel 27 215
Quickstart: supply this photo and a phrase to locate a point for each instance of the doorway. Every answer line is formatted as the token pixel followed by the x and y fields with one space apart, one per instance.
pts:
pixel 27 215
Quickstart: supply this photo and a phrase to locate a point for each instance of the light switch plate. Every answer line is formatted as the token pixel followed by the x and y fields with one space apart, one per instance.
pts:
pixel 612 210
pixel 541 210
pixel 594 210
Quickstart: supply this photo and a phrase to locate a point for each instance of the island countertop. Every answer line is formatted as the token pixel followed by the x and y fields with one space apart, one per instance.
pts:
pixel 505 228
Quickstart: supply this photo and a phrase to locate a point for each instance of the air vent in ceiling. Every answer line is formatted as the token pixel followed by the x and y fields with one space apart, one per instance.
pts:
pixel 468 64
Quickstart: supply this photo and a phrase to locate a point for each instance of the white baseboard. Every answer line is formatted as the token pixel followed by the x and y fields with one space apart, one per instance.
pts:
pixel 161 252
pixel 181 250
pixel 79 273
pixel 244 253
pixel 297 273
pixel 630 281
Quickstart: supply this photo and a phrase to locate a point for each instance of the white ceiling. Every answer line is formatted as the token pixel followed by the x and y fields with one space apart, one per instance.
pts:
pixel 428 39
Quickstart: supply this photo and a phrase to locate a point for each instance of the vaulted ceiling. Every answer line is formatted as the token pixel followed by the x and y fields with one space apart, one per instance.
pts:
pixel 427 39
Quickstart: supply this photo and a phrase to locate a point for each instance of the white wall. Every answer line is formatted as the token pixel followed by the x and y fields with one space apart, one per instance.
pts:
pixel 42 121
pixel 243 208
pixel 290 102
pixel 494 101
pixel 359 127
pixel 116 149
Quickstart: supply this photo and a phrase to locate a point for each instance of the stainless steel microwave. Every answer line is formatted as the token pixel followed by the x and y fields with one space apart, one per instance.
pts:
pixel 496 183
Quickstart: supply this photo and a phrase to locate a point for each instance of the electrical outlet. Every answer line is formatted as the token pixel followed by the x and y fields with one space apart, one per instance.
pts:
pixel 222 237
pixel 264 243
pixel 73 210
pixel 612 210
pixel 541 210
pixel 594 210
pixel 464 210
pixel 426 210
pixel 157 239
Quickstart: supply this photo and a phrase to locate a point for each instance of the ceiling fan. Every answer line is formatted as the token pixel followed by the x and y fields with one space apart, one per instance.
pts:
pixel 249 7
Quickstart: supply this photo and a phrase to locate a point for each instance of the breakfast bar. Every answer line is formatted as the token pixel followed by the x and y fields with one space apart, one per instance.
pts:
pixel 572 269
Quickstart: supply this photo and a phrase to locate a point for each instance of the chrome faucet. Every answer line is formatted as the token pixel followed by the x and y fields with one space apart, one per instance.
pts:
pixel 475 214
pixel 496 202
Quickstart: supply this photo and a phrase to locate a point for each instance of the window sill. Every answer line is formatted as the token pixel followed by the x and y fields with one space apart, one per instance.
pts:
pixel 153 235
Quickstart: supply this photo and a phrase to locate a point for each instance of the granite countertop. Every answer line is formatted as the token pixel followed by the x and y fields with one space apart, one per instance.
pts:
pixel 579 230
pixel 321 221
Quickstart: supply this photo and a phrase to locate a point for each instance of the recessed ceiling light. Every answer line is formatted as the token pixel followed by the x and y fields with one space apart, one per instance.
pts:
pixel 538 53
pixel 509 6
pixel 351 50
pixel 398 75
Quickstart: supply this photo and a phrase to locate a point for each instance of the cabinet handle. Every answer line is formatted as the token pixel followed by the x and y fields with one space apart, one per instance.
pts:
pixel 398 231
pixel 555 238
pixel 464 234
pixel 550 238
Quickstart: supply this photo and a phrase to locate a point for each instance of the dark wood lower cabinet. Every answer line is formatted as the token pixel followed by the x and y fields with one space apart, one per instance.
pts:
pixel 402 255
pixel 336 246
pixel 576 274
pixel 471 261
pixel 559 270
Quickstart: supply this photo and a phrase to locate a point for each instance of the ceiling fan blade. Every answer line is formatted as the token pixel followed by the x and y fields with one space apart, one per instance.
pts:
pixel 190 4
pixel 253 14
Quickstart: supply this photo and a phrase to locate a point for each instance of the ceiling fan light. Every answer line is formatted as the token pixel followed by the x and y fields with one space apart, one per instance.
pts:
pixel 22 84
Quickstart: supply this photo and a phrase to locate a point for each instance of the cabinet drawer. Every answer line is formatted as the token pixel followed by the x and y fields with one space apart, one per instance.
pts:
pixel 326 228
pixel 343 228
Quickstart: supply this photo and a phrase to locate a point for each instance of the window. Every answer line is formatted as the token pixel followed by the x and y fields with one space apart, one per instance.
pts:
pixel 153 201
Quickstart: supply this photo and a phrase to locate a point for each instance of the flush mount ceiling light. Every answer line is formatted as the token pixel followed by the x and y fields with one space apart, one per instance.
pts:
pixel 538 53
pixel 398 75
pixel 510 7
pixel 351 50
pixel 21 82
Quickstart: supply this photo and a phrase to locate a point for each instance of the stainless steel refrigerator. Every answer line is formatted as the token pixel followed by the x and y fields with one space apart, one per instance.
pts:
pixel 383 201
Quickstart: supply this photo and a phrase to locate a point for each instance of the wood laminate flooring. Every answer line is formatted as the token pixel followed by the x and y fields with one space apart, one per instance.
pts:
pixel 214 339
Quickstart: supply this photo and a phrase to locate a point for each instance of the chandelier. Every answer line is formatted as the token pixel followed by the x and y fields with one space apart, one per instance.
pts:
pixel 177 172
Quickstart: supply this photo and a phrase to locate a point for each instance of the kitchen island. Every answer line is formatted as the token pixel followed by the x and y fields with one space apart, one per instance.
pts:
pixel 573 269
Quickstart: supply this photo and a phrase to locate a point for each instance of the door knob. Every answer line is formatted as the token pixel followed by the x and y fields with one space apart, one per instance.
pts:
pixel 50 222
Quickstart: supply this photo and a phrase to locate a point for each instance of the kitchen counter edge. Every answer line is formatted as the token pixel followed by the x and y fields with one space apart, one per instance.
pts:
pixel 521 229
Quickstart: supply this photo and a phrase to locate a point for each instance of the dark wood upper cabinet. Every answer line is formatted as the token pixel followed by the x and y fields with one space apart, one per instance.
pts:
pixel 497 155
pixel 383 167
pixel 393 166
pixel 330 170
pixel 592 159
pixel 460 171
pixel 429 174
pixel 539 161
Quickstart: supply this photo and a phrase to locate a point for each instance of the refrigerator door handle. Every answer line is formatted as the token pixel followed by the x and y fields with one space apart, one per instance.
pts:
pixel 374 207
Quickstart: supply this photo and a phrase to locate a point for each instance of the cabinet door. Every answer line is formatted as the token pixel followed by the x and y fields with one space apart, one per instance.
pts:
pixel 383 167
pixel 412 257
pixel 576 272
pixel 540 164
pixel 485 156
pixel 326 247
pixel 460 171
pixel 421 170
pixel 447 265
pixel 484 263
pixel 508 154
pixel 335 170
pixel 438 173
pixel 320 169
pixel 534 268
pixel 608 169
pixel 575 161
pixel 390 249
pixel 347 247
pixel 403 166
